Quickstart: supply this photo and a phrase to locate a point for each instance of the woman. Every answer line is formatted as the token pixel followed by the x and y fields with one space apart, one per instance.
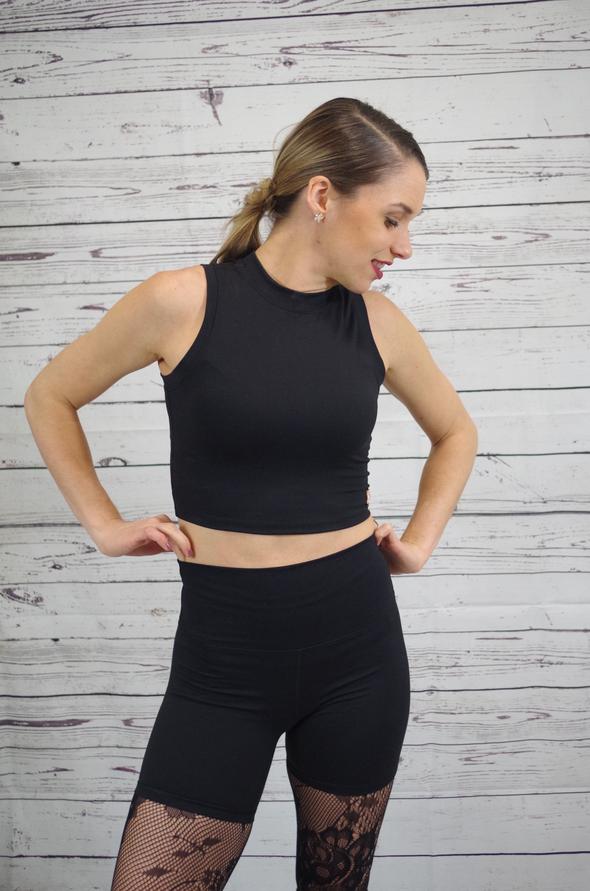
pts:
pixel 271 357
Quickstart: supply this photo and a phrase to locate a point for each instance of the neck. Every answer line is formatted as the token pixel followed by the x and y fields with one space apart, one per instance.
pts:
pixel 293 263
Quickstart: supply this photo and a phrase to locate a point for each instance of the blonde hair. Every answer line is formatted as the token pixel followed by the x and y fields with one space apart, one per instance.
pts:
pixel 345 139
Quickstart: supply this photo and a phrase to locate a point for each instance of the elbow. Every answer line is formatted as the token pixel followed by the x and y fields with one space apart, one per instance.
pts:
pixel 28 396
pixel 31 392
pixel 35 392
pixel 475 431
pixel 33 386
pixel 471 430
pixel 29 402
pixel 463 428
pixel 41 391
pixel 468 426
pixel 466 433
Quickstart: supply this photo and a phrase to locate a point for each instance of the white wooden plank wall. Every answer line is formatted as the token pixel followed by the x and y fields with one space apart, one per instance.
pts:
pixel 129 134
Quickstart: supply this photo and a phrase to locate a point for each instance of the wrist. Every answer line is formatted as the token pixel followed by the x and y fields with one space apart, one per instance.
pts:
pixel 97 530
pixel 424 549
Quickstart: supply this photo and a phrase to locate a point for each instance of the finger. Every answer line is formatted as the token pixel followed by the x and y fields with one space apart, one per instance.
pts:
pixel 384 531
pixel 179 539
pixel 154 534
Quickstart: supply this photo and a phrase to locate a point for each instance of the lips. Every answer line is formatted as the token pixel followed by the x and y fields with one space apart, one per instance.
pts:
pixel 376 268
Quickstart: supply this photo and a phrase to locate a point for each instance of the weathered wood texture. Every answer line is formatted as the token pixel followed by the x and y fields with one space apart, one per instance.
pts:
pixel 130 133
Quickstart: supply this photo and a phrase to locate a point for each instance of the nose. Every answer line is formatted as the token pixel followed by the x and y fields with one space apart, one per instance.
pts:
pixel 402 247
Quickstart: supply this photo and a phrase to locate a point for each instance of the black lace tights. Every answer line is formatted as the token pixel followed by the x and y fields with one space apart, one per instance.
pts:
pixel 336 836
pixel 164 848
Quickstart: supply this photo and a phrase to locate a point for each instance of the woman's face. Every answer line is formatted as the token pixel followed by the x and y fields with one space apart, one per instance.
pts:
pixel 372 226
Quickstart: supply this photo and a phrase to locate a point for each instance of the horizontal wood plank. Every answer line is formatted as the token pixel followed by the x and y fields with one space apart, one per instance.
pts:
pixel 441 717
pixel 287 49
pixel 510 872
pixel 442 770
pixel 95 15
pixel 61 594
pixel 478 173
pixel 500 825
pixel 449 660
pixel 510 423
pixel 444 239
pixel 180 121
pixel 517 487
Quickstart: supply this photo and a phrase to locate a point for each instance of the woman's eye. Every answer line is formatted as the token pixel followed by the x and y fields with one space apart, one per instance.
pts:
pixel 391 222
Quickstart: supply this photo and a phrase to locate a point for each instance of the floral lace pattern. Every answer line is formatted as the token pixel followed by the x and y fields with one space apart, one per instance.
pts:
pixel 164 848
pixel 336 836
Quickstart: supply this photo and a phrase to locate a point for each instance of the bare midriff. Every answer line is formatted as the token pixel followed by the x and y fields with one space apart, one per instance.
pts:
pixel 220 547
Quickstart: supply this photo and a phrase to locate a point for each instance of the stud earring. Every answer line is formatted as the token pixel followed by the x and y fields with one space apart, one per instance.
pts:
pixel 318 217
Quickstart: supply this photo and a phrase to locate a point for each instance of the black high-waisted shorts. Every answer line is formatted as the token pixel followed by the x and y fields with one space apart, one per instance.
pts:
pixel 314 650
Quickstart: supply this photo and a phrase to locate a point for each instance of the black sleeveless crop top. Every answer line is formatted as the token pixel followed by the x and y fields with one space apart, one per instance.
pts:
pixel 272 407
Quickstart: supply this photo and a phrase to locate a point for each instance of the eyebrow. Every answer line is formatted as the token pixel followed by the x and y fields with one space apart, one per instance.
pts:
pixel 401 204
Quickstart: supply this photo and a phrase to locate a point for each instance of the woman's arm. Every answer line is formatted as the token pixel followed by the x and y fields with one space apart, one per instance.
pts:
pixel 414 378
pixel 443 479
pixel 127 337
pixel 56 429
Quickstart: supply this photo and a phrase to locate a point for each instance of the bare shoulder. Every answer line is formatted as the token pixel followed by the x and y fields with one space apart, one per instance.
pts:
pixel 403 342
pixel 149 323
pixel 381 305
pixel 387 324
pixel 181 291
pixel 412 375
pixel 182 296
